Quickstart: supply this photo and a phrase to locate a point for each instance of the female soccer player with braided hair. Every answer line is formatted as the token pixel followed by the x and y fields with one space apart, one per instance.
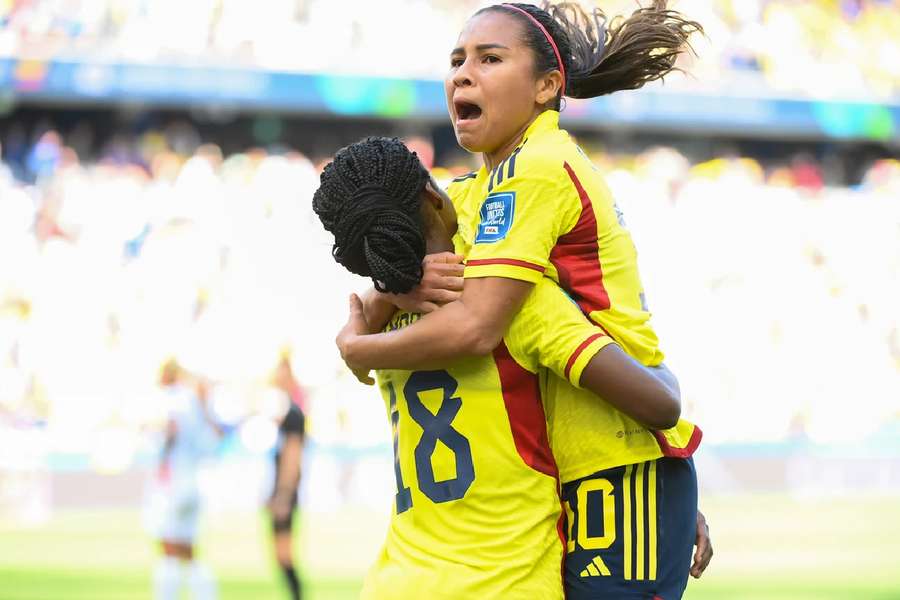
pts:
pixel 380 214
pixel 478 516
pixel 538 208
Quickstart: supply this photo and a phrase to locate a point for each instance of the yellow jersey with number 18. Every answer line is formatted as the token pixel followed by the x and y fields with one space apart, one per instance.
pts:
pixel 477 512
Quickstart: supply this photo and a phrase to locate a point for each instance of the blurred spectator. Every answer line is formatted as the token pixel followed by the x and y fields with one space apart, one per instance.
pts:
pixel 190 437
pixel 199 250
pixel 845 49
pixel 286 397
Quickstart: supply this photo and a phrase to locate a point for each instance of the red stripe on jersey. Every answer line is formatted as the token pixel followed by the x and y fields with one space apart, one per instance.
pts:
pixel 504 261
pixel 576 257
pixel 522 397
pixel 673 452
pixel 578 352
pixel 561 530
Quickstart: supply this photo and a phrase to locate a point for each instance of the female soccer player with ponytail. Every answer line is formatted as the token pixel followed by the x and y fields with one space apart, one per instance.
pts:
pixel 475 516
pixel 539 208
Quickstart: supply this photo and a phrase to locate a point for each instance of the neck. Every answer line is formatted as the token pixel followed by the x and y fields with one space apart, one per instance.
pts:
pixel 492 159
pixel 437 241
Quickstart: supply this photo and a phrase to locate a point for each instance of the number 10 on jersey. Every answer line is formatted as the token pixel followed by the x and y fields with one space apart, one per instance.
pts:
pixel 436 427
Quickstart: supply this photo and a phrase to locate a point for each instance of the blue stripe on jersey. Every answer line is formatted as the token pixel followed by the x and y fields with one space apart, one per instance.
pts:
pixel 500 172
pixel 471 175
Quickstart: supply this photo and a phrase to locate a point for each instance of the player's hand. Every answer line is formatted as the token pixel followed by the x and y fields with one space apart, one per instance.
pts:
pixel 704 552
pixel 442 283
pixel 355 327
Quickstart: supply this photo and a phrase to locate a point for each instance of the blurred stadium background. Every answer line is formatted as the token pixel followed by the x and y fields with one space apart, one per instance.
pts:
pixel 158 160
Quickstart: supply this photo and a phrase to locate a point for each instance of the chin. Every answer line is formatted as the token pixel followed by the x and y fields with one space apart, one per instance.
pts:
pixel 469 143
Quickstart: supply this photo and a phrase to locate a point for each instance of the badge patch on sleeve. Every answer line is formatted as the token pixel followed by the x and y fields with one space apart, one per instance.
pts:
pixel 496 217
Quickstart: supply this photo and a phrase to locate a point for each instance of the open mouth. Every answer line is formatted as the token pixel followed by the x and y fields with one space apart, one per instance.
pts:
pixel 466 111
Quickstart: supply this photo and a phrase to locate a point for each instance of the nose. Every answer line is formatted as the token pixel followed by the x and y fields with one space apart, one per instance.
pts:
pixel 462 77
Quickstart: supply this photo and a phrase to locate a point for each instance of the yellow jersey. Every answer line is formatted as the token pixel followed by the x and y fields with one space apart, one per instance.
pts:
pixel 477 512
pixel 545 211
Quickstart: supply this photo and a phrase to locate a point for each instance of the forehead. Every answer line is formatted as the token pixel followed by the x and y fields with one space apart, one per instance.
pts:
pixel 491 27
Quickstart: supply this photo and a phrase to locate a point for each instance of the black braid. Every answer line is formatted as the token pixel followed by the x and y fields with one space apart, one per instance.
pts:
pixel 369 198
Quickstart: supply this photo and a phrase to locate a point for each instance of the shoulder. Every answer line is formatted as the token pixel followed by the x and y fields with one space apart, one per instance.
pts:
pixel 538 162
pixel 461 185
pixel 464 178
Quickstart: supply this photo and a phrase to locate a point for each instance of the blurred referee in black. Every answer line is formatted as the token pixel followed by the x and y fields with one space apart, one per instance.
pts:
pixel 288 458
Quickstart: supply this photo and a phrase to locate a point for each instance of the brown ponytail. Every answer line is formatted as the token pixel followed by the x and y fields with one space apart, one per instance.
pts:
pixel 636 50
pixel 603 56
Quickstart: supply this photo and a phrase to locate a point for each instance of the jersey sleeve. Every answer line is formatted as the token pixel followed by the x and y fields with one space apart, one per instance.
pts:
pixel 521 219
pixel 550 331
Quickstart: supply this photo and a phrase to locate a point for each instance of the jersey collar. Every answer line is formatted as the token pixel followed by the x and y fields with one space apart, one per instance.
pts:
pixel 546 121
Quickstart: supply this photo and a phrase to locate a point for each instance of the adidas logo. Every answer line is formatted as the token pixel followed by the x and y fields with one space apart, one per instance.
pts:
pixel 596 568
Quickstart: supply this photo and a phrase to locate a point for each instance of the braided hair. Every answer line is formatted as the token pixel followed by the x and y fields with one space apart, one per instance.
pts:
pixel 602 56
pixel 369 198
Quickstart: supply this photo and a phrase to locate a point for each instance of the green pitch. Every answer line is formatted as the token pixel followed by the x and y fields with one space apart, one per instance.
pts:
pixel 771 548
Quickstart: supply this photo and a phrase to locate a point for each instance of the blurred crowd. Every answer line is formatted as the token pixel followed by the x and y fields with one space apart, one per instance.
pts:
pixel 821 48
pixel 162 247
pixel 771 291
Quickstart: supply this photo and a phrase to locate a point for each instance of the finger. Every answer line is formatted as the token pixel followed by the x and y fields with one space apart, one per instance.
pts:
pixel 427 307
pixel 442 281
pixel 455 284
pixel 355 304
pixel 444 257
pixel 449 268
pixel 364 377
pixel 702 556
pixel 695 566
pixel 444 296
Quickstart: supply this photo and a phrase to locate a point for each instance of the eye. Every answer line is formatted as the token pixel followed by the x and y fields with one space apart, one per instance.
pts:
pixel 456 62
pixel 491 59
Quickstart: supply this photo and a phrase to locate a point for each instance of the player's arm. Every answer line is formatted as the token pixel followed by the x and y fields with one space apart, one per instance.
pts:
pixel 631 388
pixel 471 326
pixel 572 347
pixel 519 227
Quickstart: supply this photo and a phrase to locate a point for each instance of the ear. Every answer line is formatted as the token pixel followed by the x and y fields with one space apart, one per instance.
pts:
pixel 434 195
pixel 548 86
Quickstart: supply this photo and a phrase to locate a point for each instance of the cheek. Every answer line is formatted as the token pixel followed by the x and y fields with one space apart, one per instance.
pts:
pixel 448 94
pixel 512 99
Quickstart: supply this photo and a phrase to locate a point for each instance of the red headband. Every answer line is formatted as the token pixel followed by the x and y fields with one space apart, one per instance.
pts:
pixel 562 68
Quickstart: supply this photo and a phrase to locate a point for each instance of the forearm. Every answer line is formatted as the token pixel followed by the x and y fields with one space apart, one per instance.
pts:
pixel 632 388
pixel 668 378
pixel 430 343
pixel 471 326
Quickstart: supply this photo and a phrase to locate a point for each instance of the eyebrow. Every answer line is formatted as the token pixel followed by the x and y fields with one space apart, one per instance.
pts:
pixel 481 47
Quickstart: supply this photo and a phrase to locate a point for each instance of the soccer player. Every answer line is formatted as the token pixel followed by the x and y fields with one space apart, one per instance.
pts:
pixel 537 208
pixel 476 509
pixel 191 436
pixel 288 459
